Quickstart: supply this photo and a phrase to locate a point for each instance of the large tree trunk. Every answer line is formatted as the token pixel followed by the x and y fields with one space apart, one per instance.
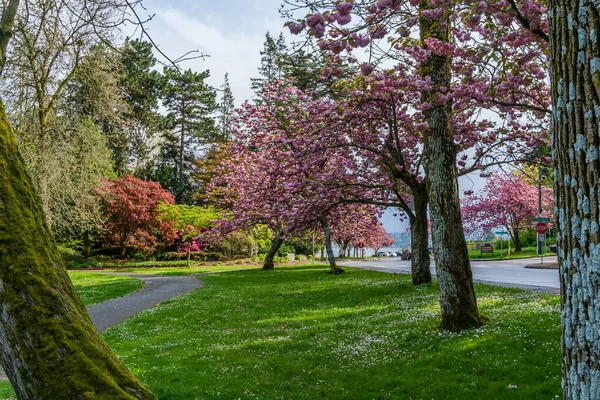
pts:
pixel 49 347
pixel 420 262
pixel 269 264
pixel 457 295
pixel 575 65
pixel 333 268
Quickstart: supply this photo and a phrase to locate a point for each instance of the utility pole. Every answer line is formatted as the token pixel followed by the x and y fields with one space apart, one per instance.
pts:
pixel 540 176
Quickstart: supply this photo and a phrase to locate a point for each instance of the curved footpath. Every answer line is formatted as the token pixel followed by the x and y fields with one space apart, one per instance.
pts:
pixel 156 290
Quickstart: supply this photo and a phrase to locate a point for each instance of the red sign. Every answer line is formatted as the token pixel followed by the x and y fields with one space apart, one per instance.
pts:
pixel 541 228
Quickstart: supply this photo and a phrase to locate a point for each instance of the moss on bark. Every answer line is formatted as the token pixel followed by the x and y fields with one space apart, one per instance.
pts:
pixel 49 347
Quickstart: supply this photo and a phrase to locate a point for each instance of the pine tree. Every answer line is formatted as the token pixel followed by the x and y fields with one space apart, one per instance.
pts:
pixel 142 87
pixel 191 104
pixel 226 108
pixel 272 58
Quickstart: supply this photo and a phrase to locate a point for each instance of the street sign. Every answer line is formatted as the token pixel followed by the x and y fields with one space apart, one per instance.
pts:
pixel 541 219
pixel 541 227
pixel 500 233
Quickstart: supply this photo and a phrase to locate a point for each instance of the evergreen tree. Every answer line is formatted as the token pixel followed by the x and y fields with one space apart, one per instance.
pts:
pixel 226 108
pixel 272 58
pixel 142 87
pixel 191 104
pixel 303 67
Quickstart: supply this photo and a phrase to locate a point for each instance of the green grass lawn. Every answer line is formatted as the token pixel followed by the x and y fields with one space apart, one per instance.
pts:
pixel 94 288
pixel 527 252
pixel 299 333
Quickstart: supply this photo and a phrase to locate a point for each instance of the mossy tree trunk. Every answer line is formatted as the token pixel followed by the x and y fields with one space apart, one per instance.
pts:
pixel 333 268
pixel 49 347
pixel 575 72
pixel 457 294
pixel 276 243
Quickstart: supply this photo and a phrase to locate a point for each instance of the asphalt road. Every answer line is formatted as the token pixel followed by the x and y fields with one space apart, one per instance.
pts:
pixel 511 273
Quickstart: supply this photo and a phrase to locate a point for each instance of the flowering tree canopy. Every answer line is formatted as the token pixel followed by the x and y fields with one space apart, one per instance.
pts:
pixel 358 226
pixel 445 50
pixel 506 201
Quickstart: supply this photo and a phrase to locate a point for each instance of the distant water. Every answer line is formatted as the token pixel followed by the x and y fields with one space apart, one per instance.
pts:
pixel 370 252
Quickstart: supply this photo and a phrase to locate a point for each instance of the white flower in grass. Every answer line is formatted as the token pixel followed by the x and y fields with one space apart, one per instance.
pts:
pixel 512 386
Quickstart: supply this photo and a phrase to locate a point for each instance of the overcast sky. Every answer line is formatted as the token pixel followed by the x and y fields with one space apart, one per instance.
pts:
pixel 232 33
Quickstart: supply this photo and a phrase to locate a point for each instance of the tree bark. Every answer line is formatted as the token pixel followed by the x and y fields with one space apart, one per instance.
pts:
pixel 6 25
pixel 181 151
pixel 517 241
pixel 189 254
pixel 49 347
pixel 276 243
pixel 575 71
pixel 420 263
pixel 86 244
pixel 457 294
pixel 333 268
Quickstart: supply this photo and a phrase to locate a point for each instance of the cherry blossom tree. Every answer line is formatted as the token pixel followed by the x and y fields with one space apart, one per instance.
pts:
pixel 507 201
pixel 358 225
pixel 450 66
pixel 275 175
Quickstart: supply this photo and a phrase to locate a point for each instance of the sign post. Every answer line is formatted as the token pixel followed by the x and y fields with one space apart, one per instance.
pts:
pixel 502 233
pixel 537 220
pixel 541 228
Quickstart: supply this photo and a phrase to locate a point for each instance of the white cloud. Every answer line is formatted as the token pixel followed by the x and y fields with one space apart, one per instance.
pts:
pixel 235 53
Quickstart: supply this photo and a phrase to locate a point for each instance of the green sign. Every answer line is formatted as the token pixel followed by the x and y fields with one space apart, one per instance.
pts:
pixel 541 219
pixel 501 233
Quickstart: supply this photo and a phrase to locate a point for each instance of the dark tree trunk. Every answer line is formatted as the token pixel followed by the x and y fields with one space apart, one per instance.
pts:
pixel 333 268
pixel 457 294
pixel 189 255
pixel 86 244
pixel 49 347
pixel 517 241
pixel 420 262
pixel 575 70
pixel 275 245
pixel 181 151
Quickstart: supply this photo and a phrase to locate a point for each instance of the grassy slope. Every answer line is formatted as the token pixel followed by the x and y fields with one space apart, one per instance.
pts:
pixel 298 333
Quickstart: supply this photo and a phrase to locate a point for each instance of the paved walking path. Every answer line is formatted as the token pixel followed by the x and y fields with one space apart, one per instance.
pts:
pixel 156 290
